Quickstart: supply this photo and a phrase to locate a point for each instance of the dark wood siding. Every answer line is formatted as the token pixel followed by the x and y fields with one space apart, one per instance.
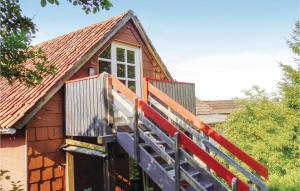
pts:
pixel 183 93
pixel 85 107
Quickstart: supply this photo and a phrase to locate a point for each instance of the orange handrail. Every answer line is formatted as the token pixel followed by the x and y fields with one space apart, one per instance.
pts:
pixel 188 144
pixel 122 88
pixel 252 163
pixel 184 140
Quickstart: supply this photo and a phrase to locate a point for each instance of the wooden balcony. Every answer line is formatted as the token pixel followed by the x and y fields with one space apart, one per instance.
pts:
pixel 89 112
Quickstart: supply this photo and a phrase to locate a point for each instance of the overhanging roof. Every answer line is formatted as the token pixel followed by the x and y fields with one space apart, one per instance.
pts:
pixel 18 103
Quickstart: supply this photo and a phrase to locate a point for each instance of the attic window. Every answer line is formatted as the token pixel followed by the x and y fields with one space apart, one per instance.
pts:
pixel 122 61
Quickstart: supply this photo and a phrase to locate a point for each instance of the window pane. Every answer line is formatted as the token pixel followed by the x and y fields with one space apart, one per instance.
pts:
pixel 121 70
pixel 130 56
pixel 120 54
pixel 105 66
pixel 131 85
pixel 106 53
pixel 131 71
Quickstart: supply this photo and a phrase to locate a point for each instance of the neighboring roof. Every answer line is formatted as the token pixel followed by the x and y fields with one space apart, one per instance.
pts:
pixel 68 53
pixel 215 107
pixel 212 118
pixel 214 111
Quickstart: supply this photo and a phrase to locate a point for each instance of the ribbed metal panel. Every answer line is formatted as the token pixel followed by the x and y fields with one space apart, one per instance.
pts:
pixel 86 114
pixel 183 93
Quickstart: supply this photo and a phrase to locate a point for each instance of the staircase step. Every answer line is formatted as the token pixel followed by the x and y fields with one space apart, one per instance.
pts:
pixel 169 166
pixel 149 133
pixel 192 172
pixel 206 184
pixel 144 145
pixel 183 162
pixel 160 142
pixel 154 155
pixel 171 172
pixel 195 173
pixel 143 127
pixel 170 152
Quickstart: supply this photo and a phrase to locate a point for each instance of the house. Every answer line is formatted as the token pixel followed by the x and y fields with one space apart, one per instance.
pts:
pixel 214 111
pixel 71 133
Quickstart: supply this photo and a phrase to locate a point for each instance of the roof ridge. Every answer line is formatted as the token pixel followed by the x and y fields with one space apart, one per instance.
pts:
pixel 129 12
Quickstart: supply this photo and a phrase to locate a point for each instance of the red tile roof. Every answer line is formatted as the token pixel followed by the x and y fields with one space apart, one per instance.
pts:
pixel 215 107
pixel 63 52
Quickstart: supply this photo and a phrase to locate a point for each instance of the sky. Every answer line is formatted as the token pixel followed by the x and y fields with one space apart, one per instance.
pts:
pixel 223 46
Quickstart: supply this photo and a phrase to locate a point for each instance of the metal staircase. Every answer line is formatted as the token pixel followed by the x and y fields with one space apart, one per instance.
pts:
pixel 169 149
pixel 156 154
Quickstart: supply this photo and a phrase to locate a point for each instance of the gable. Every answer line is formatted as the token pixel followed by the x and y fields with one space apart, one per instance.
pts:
pixel 128 34
pixel 151 68
pixel 18 103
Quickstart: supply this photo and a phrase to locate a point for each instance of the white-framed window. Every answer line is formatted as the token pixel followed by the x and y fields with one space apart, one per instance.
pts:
pixel 122 61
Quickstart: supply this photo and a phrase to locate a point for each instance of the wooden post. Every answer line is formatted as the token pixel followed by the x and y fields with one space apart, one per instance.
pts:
pixel 136 130
pixel 105 96
pixel 111 155
pixel 106 174
pixel 108 102
pixel 145 181
pixel 70 162
pixel 109 128
pixel 205 147
pixel 177 161
pixel 234 184
pixel 145 89
pixel 110 105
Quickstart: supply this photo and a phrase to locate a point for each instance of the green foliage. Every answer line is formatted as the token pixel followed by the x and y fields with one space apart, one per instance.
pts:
pixel 294 42
pixel 15 185
pixel 88 6
pixel 134 171
pixel 290 84
pixel 18 60
pixel 268 129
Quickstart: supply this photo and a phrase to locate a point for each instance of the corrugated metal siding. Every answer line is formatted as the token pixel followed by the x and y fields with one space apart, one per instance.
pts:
pixel 183 93
pixel 86 114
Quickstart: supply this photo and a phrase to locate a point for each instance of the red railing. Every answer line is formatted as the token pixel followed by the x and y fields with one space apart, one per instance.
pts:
pixel 199 125
pixel 185 142
pixel 188 144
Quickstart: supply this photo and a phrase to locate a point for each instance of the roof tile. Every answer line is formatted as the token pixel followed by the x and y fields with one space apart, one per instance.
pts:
pixel 215 107
pixel 63 52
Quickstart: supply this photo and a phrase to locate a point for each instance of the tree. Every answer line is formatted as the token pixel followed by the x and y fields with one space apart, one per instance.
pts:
pixel 268 129
pixel 290 84
pixel 19 61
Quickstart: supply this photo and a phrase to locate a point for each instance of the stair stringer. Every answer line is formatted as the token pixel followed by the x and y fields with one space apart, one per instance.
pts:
pixel 147 162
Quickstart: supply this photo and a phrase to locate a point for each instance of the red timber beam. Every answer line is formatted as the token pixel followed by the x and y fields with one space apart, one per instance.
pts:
pixel 199 125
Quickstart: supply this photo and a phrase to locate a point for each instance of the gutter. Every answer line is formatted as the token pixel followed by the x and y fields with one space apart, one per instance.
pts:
pixel 7 131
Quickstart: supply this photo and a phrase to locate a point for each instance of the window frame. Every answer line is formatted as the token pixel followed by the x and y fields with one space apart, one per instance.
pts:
pixel 114 63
